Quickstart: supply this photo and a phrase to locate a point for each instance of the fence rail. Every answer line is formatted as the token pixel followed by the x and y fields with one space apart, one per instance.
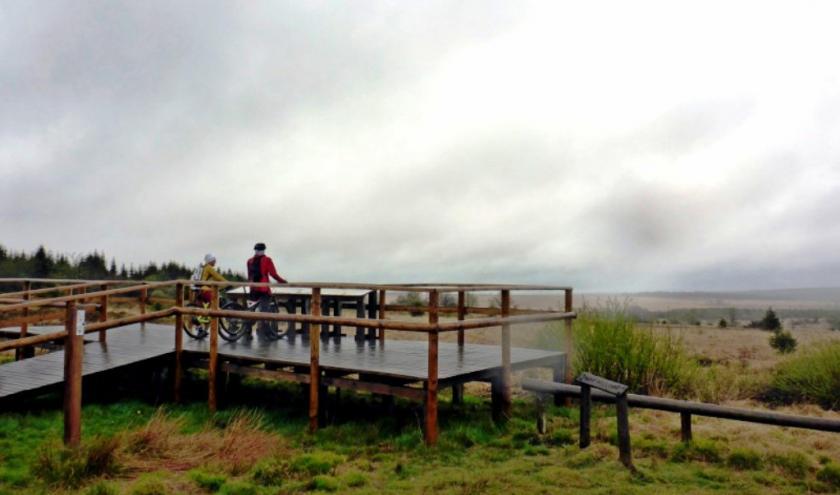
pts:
pixel 687 408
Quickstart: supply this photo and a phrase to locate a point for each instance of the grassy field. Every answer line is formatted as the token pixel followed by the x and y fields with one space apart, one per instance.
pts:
pixel 134 448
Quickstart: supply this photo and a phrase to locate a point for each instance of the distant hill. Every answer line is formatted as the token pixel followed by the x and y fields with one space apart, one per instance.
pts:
pixel 809 298
pixel 827 294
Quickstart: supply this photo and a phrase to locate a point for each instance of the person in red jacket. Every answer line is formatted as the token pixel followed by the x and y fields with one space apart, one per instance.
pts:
pixel 260 268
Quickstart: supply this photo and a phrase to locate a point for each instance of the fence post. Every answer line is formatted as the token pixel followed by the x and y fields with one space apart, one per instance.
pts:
pixel 431 401
pixel 103 312
pixel 585 415
pixel 623 420
pixel 25 352
pixel 214 352
pixel 541 421
pixel 314 362
pixel 685 420
pixel 179 341
pixel 73 355
pixel 570 347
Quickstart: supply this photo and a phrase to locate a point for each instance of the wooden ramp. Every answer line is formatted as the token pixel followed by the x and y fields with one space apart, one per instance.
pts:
pixel 127 346
pixel 395 360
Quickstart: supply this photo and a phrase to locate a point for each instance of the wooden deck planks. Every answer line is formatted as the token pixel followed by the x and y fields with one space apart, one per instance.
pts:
pixel 395 359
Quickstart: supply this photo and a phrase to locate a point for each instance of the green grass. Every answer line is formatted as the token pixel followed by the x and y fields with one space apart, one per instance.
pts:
pixel 474 455
pixel 811 375
pixel 611 344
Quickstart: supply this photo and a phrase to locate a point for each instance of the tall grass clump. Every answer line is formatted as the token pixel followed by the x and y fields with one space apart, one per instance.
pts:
pixel 812 375
pixel 610 344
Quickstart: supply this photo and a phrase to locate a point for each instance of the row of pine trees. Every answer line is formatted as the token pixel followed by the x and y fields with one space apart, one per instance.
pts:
pixel 94 266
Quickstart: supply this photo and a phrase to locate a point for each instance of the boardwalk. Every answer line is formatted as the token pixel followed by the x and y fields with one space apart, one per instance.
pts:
pixel 394 360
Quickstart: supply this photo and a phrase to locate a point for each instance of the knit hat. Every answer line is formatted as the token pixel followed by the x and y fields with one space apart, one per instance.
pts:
pixel 209 258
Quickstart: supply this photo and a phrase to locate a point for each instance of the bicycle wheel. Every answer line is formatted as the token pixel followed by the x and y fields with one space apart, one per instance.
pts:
pixel 232 328
pixel 274 330
pixel 196 327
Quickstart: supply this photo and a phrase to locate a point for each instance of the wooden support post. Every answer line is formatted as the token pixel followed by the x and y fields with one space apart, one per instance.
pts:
pixel 73 355
pixel 103 312
pixel 179 342
pixel 382 295
pixel 431 401
pixel 569 347
pixel 25 352
pixel 507 402
pixel 585 415
pixel 212 365
pixel 314 362
pixel 685 420
pixel 623 420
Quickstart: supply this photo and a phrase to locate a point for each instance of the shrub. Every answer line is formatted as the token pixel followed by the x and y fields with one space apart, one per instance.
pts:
pixel 412 299
pixel 238 487
pixel 207 481
pixel 770 321
pixel 812 375
pixel 269 473
pixel 722 323
pixel 324 484
pixel 314 464
pixel 609 344
pixel 744 459
pixel 697 450
pixel 355 479
pixel 149 486
pixel 794 464
pixel 102 488
pixel 70 467
pixel 783 342
pixel 830 475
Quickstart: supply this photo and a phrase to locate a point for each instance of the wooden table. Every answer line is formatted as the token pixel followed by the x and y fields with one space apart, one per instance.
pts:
pixel 297 298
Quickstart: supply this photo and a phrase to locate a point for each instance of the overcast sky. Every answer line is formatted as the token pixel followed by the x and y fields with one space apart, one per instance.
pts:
pixel 611 146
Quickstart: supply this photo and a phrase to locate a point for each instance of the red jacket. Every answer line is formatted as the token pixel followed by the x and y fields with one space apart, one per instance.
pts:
pixel 266 269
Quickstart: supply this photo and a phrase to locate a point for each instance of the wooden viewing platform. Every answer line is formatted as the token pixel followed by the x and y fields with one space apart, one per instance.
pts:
pixel 396 361
pixel 312 355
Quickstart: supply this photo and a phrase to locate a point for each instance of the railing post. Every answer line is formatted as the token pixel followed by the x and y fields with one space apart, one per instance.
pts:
pixel 507 403
pixel 73 355
pixel 462 315
pixel 431 401
pixel 382 294
pixel 143 297
pixel 179 341
pixel 103 312
pixel 314 362
pixel 569 348
pixel 214 352
pixel 25 352
pixel 458 388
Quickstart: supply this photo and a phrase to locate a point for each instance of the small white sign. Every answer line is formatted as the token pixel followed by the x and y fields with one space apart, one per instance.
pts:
pixel 80 322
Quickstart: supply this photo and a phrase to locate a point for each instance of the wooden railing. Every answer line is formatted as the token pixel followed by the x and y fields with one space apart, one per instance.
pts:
pixel 504 317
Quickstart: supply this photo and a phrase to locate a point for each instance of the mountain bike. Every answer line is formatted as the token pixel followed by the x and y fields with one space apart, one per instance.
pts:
pixel 236 328
pixel 198 327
